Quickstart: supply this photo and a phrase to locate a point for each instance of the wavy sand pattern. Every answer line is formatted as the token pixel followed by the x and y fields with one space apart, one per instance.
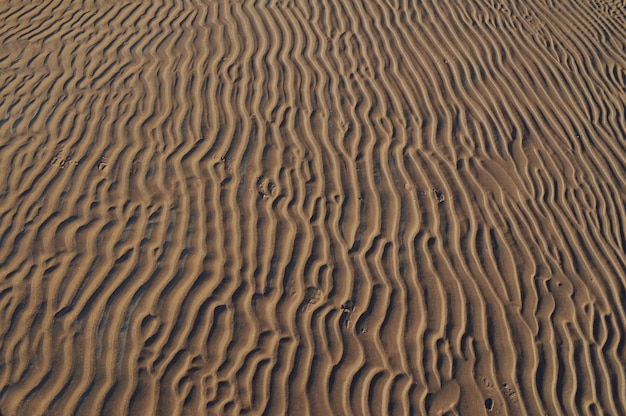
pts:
pixel 312 207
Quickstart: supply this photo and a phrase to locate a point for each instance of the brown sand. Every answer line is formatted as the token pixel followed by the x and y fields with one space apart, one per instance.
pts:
pixel 324 207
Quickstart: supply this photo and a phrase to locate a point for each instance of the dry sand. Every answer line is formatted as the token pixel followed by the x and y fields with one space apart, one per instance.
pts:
pixel 324 207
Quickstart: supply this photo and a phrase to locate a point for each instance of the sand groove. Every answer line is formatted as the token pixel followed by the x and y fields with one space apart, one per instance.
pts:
pixel 312 207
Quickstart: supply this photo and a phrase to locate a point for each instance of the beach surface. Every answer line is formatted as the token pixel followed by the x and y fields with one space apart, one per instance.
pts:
pixel 312 207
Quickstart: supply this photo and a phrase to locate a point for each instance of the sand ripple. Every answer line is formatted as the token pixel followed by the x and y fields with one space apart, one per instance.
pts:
pixel 312 207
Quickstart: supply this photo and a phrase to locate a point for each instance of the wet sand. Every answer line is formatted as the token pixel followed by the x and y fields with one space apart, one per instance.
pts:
pixel 312 207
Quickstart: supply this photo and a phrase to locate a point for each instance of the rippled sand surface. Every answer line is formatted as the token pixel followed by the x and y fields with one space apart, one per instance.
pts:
pixel 312 207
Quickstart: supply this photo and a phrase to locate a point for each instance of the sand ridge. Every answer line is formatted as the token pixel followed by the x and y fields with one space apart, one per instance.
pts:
pixel 312 207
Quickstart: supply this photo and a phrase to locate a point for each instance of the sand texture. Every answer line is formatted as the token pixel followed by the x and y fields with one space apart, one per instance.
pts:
pixel 312 207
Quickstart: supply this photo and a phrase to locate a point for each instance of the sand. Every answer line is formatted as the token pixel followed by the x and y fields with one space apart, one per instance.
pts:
pixel 312 207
